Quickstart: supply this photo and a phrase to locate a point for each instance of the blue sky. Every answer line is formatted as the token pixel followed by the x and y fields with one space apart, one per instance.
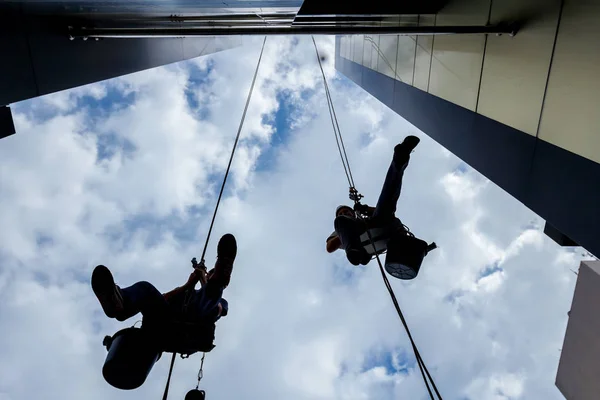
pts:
pixel 126 172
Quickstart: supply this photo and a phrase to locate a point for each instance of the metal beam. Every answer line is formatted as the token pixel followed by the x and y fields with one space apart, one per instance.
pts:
pixel 148 32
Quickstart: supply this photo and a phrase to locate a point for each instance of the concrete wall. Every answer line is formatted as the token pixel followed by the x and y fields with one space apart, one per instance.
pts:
pixel 542 81
pixel 577 376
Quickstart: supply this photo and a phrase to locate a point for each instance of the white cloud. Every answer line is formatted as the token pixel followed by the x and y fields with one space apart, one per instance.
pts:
pixel 497 387
pixel 461 188
pixel 303 324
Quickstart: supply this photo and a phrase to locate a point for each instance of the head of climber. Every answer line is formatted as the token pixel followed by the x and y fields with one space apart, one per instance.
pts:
pixel 344 210
pixel 223 307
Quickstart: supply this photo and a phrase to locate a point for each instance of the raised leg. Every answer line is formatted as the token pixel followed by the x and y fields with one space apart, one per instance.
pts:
pixel 390 192
pixel 145 298
pixel 125 303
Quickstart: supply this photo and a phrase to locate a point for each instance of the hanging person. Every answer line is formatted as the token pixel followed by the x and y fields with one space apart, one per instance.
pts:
pixel 349 228
pixel 205 305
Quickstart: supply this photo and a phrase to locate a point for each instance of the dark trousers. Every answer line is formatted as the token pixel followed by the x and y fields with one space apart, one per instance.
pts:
pixel 143 297
pixel 349 229
pixel 390 192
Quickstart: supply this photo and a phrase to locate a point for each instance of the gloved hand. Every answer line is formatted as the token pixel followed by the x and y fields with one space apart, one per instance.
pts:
pixel 198 275
pixel 361 208
pixel 192 281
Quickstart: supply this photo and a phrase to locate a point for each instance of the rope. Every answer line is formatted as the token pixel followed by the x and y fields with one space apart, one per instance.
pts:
pixel 233 149
pixel 166 393
pixel 346 164
pixel 421 363
pixel 212 222
pixel 334 122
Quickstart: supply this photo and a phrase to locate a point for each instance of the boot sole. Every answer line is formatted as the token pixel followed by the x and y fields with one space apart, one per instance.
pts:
pixel 106 291
pixel 227 247
pixel 411 142
pixel 226 253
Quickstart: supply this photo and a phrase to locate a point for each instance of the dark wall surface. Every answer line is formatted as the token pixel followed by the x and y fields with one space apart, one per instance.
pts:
pixel 371 7
pixel 39 58
pixel 560 186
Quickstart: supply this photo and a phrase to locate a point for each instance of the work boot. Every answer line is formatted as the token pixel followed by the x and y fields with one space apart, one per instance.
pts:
pixel 358 256
pixel 365 258
pixel 402 151
pixel 226 252
pixel 410 142
pixel 108 294
pixel 354 256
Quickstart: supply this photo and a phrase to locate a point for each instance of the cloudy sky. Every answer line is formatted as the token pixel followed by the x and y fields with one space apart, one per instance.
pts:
pixel 126 173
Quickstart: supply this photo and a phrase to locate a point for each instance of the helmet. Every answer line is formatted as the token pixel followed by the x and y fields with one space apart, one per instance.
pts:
pixel 340 207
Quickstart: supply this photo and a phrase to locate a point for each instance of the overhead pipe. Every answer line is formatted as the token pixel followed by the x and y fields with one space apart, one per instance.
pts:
pixel 166 32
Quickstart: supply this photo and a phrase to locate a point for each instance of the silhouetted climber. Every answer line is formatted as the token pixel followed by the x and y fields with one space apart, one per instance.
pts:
pixel 381 220
pixel 204 305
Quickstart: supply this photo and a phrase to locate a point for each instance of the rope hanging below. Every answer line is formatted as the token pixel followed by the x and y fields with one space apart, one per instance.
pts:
pixel 212 222
pixel 421 363
pixel 166 394
pixel 355 196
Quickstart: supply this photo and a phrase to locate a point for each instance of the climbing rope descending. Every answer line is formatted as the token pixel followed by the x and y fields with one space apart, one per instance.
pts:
pixel 212 222
pixel 335 124
pixel 354 195
pixel 237 137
